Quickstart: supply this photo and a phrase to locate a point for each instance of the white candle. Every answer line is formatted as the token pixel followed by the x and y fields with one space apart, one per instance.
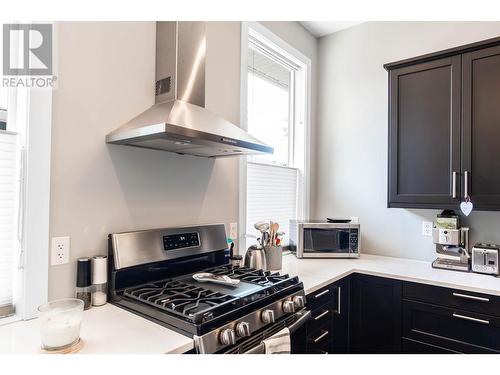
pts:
pixel 59 329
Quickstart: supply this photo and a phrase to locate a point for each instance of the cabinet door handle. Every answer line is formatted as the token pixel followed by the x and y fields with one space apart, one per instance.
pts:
pixel 321 315
pixel 454 184
pixel 464 317
pixel 467 296
pixel 466 184
pixel 338 301
pixel 320 337
pixel 322 293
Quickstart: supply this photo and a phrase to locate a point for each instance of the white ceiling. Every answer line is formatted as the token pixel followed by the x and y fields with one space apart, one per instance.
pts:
pixel 322 28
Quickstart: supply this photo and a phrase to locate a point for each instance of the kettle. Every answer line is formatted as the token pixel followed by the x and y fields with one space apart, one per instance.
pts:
pixel 255 257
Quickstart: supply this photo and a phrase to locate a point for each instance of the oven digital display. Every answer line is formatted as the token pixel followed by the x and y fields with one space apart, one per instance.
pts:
pixel 180 241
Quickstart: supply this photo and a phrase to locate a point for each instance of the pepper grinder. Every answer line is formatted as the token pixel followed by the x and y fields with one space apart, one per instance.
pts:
pixel 83 281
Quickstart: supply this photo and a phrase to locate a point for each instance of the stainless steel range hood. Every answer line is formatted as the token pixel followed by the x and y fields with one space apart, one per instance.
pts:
pixel 178 121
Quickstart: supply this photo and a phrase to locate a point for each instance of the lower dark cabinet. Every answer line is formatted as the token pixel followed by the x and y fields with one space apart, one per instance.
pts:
pixel 369 315
pixel 455 330
pixel 320 332
pixel 357 314
pixel 375 315
pixel 328 328
pixel 340 339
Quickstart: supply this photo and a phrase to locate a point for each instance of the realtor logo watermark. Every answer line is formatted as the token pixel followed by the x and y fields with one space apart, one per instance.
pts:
pixel 28 55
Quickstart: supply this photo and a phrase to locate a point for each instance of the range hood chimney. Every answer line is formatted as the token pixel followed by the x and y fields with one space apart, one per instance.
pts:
pixel 178 121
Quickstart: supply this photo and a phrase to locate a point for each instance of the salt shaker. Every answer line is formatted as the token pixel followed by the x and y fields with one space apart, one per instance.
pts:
pixel 99 280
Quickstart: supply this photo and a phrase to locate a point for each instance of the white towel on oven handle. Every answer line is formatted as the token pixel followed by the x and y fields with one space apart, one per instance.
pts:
pixel 279 343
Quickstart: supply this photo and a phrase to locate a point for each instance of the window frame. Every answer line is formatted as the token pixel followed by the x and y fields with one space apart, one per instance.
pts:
pixel 265 36
pixel 37 203
pixel 34 178
pixel 32 289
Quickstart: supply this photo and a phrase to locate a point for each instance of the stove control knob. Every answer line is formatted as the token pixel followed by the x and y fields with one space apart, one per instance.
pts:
pixel 268 316
pixel 243 329
pixel 227 337
pixel 298 301
pixel 288 306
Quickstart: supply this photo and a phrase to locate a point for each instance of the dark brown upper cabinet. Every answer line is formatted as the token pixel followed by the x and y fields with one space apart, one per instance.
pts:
pixel 424 134
pixel 481 127
pixel 444 128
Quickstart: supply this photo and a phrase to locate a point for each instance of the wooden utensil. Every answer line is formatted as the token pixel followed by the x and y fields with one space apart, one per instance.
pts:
pixel 271 233
pixel 274 231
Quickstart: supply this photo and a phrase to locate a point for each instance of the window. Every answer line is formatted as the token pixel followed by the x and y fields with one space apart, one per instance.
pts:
pixel 4 99
pixel 10 173
pixel 275 98
pixel 269 106
pixel 25 133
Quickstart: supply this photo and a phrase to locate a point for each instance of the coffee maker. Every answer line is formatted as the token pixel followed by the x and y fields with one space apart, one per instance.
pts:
pixel 452 243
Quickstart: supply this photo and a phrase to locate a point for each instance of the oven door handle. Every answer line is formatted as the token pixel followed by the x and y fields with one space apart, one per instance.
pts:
pixel 258 349
pixel 305 315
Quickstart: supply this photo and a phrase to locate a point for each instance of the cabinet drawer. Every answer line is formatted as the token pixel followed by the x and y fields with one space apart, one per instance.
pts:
pixel 454 298
pixel 318 351
pixel 322 315
pixel 322 297
pixel 324 348
pixel 319 339
pixel 410 346
pixel 452 329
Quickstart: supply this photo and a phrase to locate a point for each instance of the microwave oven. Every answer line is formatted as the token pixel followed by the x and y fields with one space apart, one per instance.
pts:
pixel 325 239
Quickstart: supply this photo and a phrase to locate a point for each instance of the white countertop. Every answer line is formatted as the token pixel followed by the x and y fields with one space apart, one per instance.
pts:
pixel 105 330
pixel 111 330
pixel 317 273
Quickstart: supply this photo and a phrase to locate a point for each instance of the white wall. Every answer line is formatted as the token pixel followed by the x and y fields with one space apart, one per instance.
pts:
pixel 351 149
pixel 106 76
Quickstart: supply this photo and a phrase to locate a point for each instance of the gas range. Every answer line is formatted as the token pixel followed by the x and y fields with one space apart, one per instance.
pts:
pixel 151 274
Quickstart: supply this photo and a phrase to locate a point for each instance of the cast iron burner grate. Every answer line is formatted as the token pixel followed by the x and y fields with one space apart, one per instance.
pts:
pixel 260 277
pixel 180 298
pixel 196 304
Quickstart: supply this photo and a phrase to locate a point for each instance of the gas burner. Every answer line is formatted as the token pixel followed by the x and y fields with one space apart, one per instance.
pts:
pixel 179 297
pixel 260 277
pixel 263 279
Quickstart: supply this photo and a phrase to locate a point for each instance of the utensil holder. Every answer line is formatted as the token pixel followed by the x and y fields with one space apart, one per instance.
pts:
pixel 274 257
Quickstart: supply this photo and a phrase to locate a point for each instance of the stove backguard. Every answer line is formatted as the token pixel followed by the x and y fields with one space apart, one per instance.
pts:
pixel 156 245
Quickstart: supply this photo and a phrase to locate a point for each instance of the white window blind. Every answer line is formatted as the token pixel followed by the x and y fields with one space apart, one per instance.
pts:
pixel 8 219
pixel 271 195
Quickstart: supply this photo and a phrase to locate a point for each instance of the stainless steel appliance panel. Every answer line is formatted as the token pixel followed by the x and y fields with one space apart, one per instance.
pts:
pixel 313 239
pixel 485 259
pixel 141 247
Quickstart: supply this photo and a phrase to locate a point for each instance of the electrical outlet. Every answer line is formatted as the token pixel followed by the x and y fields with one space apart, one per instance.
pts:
pixel 427 228
pixel 59 253
pixel 233 231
